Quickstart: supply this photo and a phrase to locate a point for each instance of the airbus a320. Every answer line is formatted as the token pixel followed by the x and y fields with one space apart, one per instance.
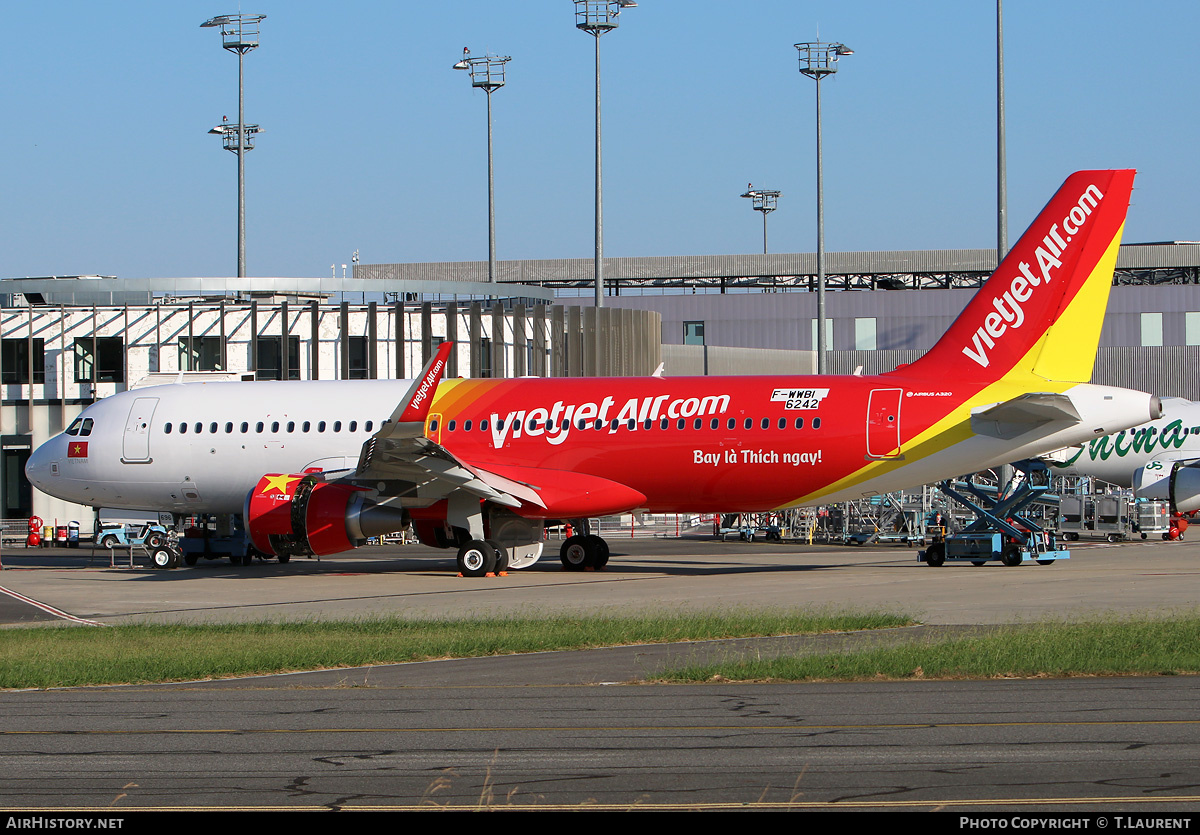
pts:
pixel 481 466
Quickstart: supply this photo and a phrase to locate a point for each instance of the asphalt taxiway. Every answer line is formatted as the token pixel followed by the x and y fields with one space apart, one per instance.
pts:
pixel 678 574
pixel 542 731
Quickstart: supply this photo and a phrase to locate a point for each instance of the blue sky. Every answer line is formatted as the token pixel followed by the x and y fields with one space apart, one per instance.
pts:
pixel 372 142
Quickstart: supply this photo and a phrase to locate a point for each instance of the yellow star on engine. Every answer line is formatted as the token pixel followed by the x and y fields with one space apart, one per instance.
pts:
pixel 279 482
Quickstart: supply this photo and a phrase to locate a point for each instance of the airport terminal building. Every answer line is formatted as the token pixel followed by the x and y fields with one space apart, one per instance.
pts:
pixel 66 342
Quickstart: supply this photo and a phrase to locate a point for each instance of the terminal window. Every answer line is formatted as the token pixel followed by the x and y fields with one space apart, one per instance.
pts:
pixel 1191 328
pixel 864 334
pixel 828 334
pixel 204 355
pixel 100 359
pixel 485 358
pixel 693 333
pixel 357 363
pixel 1152 328
pixel 270 358
pixel 14 360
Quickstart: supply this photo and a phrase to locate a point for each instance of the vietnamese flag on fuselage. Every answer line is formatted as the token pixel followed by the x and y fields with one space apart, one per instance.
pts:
pixel 77 449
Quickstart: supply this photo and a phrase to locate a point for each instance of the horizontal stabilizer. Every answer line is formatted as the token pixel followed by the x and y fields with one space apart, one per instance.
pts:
pixel 1015 417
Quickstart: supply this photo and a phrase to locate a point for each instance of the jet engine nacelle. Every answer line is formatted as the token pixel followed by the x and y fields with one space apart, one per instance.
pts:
pixel 1175 481
pixel 303 515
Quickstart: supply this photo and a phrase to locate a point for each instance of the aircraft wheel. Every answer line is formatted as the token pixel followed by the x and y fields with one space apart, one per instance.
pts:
pixel 164 558
pixel 935 554
pixel 191 559
pixel 476 558
pixel 109 542
pixel 575 554
pixel 599 551
pixel 283 558
pixel 1011 556
pixel 501 555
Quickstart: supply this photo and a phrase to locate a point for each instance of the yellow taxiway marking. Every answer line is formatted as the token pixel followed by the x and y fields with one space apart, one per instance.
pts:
pixel 611 728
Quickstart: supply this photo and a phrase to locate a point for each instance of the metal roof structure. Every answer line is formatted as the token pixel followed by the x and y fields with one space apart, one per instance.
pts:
pixel 110 290
pixel 1159 263
pixel 541 280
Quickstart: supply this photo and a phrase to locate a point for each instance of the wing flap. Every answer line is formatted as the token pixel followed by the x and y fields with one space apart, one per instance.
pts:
pixel 567 495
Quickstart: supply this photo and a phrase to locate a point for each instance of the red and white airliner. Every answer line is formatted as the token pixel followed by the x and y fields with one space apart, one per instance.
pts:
pixel 482 465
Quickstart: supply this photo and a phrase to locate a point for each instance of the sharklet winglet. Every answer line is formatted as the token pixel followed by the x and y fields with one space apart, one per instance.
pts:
pixel 415 406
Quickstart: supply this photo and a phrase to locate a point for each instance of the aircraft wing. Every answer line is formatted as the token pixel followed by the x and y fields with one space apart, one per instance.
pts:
pixel 428 471
pixel 415 469
pixel 420 469
pixel 1015 417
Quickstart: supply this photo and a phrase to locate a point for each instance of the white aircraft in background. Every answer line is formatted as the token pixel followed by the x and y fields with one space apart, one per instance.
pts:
pixel 482 465
pixel 1159 459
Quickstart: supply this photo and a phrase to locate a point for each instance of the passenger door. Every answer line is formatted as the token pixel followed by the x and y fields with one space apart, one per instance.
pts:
pixel 136 445
pixel 883 424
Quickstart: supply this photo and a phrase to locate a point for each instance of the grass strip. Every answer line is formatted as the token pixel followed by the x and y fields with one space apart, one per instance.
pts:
pixel 1127 646
pixel 146 653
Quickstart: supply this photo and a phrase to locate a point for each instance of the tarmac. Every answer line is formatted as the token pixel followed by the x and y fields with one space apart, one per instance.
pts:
pixel 688 574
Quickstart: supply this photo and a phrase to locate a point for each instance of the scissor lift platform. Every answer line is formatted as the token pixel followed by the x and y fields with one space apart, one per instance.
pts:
pixel 1000 531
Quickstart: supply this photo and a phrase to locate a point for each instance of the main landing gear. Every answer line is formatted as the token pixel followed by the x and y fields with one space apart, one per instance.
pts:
pixel 481 557
pixel 581 552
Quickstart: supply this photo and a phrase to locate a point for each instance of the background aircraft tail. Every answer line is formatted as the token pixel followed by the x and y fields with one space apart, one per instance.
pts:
pixel 1041 312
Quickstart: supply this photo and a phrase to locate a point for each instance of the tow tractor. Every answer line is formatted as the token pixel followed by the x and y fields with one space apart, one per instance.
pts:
pixel 1000 531
pixel 161 543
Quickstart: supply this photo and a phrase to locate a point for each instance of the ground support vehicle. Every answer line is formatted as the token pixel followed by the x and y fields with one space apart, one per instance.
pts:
pixel 1153 518
pixel 749 526
pixel 1001 531
pixel 160 543
pixel 1109 517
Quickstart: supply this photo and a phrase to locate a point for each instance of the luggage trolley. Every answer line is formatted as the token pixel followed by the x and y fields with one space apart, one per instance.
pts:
pixel 1000 531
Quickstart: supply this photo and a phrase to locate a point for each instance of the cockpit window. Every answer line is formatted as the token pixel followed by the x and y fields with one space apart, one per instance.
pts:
pixel 87 427
pixel 73 429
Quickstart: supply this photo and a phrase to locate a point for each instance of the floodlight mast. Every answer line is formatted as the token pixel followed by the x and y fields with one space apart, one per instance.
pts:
pixel 597 17
pixel 763 200
pixel 487 73
pixel 818 60
pixel 239 33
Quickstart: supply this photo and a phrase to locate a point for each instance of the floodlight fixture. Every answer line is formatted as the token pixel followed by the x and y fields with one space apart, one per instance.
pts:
pixel 597 17
pixel 819 59
pixel 763 200
pixel 487 74
pixel 239 33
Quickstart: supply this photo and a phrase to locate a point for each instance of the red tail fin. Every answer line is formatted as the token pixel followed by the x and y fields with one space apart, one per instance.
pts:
pixel 1041 311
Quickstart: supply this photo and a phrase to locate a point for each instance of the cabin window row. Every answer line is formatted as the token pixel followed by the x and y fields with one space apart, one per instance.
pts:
pixel 260 427
pixel 663 423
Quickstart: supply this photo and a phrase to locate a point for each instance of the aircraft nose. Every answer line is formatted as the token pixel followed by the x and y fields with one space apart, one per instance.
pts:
pixel 41 464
